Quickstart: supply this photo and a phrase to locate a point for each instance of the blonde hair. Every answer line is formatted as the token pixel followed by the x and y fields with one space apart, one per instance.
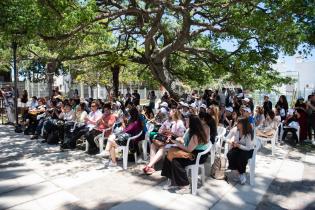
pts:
pixel 177 115
pixel 215 114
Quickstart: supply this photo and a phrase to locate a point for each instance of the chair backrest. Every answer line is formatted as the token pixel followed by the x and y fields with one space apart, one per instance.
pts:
pixel 150 127
pixel 136 136
pixel 209 146
pixel 221 131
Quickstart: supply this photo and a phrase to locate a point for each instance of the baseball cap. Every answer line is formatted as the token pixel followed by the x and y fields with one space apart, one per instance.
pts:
pixel 246 100
pixel 164 104
pixel 229 109
pixel 203 106
pixel 246 109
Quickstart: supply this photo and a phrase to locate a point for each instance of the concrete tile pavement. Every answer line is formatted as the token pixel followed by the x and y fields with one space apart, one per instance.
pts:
pixel 40 177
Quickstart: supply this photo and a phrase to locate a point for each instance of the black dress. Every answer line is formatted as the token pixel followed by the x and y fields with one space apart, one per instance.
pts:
pixel 175 169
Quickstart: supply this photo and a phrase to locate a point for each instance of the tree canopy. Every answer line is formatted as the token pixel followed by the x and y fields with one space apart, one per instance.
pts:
pixel 190 41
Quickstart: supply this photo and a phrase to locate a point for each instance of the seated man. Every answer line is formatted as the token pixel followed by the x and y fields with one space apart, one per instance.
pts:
pixel 90 122
pixel 107 121
pixel 34 115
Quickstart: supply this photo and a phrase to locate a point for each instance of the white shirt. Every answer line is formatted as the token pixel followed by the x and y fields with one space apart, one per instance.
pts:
pixel 246 143
pixel 178 128
pixel 94 116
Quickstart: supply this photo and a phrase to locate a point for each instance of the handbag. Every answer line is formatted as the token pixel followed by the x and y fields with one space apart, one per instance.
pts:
pixel 218 168
pixel 175 152
pixel 159 140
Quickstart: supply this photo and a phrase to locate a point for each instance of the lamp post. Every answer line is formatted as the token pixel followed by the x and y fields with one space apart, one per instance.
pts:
pixel 14 48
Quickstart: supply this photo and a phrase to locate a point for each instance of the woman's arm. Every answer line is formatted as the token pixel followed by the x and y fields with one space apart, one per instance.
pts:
pixel 191 146
pixel 248 144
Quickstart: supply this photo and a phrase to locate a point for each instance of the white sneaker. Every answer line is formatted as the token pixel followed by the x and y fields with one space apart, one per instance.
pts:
pixel 243 179
pixel 103 154
pixel 183 190
pixel 112 165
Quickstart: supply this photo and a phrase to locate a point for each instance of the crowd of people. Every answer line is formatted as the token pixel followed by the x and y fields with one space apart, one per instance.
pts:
pixel 178 130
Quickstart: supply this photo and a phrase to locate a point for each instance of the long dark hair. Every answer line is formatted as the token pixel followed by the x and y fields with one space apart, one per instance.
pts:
pixel 196 128
pixel 246 127
pixel 134 114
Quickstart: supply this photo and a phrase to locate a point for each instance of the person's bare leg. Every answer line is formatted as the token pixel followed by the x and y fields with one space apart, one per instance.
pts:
pixel 158 156
pixel 113 151
pixel 153 149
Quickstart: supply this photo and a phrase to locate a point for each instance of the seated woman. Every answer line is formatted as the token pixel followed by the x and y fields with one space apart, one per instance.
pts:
pixel 133 128
pixel 259 116
pixel 268 127
pixel 148 113
pixel 241 140
pixel 107 121
pixel 195 141
pixel 172 128
pixel 291 124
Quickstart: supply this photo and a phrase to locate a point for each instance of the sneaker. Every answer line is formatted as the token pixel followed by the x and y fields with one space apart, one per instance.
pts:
pixel 242 179
pixel 183 190
pixel 34 137
pixel 111 164
pixel 103 154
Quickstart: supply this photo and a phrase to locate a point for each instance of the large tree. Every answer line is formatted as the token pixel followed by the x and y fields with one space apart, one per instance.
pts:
pixel 194 31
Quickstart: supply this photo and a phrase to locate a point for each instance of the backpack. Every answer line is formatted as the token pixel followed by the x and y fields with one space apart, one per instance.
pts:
pixel 218 168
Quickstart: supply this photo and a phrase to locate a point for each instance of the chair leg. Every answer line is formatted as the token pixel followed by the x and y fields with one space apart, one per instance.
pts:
pixel 86 145
pixel 125 157
pixel 273 144
pixel 212 156
pixel 194 180
pixel 136 159
pixel 203 175
pixel 145 149
pixel 252 172
pixel 101 144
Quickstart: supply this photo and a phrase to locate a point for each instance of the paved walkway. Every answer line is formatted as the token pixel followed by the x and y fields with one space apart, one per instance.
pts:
pixel 37 176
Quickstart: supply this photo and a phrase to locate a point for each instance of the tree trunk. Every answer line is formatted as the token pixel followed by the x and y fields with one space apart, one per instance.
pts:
pixel 115 71
pixel 51 68
pixel 161 73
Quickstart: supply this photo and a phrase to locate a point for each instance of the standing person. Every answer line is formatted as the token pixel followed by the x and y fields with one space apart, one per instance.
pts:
pixel 152 98
pixel 267 105
pixel 300 107
pixel 8 96
pixel 135 98
pixel 310 109
pixel 242 148
pixel 24 98
pixel 282 107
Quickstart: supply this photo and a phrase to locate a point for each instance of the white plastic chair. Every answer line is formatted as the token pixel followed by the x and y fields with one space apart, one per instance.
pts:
pixel 99 141
pixel 252 161
pixel 282 127
pixel 146 140
pixel 125 150
pixel 195 169
pixel 273 140
pixel 219 139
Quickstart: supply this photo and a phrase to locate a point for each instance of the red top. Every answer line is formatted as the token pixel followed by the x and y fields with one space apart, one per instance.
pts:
pixel 107 122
